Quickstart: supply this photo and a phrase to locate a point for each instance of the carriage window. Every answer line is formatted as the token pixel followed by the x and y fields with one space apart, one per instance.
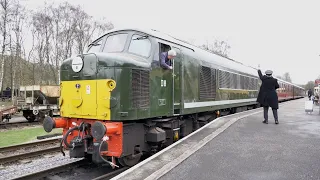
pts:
pixel 140 45
pixel 115 43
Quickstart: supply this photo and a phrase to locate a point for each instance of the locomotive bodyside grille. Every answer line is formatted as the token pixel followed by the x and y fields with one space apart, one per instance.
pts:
pixel 140 88
pixel 229 80
pixel 207 88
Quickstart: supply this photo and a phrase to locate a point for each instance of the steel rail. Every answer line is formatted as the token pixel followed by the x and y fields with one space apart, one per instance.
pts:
pixel 54 170
pixel 13 158
pixel 18 124
pixel 30 144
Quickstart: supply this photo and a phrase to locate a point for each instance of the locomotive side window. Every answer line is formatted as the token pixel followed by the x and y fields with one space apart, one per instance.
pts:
pixel 115 43
pixel 140 45
pixel 164 47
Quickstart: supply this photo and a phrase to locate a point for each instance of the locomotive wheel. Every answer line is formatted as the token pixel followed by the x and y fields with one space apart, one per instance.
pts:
pixel 129 160
pixel 121 162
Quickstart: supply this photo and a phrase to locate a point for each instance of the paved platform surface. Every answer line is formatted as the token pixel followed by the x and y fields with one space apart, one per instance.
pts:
pixel 246 149
pixel 250 149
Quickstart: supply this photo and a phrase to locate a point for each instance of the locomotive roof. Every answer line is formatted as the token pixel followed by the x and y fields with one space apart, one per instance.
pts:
pixel 220 60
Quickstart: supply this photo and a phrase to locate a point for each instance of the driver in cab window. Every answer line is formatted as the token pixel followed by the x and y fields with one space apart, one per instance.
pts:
pixel 165 58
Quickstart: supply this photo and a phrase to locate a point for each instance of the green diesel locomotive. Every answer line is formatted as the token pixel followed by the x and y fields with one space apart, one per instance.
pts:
pixel 117 103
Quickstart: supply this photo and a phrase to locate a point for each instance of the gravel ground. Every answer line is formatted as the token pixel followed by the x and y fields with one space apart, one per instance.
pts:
pixel 87 171
pixel 46 162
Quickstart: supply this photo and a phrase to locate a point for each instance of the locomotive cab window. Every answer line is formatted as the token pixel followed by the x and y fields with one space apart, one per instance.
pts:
pixel 164 47
pixel 140 45
pixel 95 46
pixel 115 43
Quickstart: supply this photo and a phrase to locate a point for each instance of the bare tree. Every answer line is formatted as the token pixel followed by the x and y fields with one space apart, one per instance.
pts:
pixel 310 85
pixel 42 24
pixel 65 22
pixel 86 29
pixel 4 21
pixel 68 26
pixel 57 54
pixel 221 48
pixel 287 77
pixel 218 47
pixel 191 41
pixel 59 32
pixel 19 15
pixel 73 30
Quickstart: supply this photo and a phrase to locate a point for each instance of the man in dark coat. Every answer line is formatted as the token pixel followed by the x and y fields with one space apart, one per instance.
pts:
pixel 309 94
pixel 267 96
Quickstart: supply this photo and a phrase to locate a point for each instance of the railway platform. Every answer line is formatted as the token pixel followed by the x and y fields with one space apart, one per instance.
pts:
pixel 240 146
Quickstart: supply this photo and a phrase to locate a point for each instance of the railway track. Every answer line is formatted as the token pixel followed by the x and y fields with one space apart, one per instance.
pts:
pixel 111 174
pixel 73 166
pixel 28 150
pixel 54 170
pixel 17 124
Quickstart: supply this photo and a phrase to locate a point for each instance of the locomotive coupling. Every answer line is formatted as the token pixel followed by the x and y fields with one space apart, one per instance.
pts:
pixel 50 123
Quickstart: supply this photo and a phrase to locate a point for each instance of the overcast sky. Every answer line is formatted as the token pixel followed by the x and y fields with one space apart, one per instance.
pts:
pixel 283 36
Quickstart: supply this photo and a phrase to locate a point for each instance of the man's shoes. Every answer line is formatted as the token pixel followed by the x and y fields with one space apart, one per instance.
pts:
pixel 277 122
pixel 265 121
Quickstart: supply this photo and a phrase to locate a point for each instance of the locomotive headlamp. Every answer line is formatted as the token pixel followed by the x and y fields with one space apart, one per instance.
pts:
pixel 111 84
pixel 98 130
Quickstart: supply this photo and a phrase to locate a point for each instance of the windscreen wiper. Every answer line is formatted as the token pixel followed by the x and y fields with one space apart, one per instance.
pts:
pixel 142 37
pixel 94 44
